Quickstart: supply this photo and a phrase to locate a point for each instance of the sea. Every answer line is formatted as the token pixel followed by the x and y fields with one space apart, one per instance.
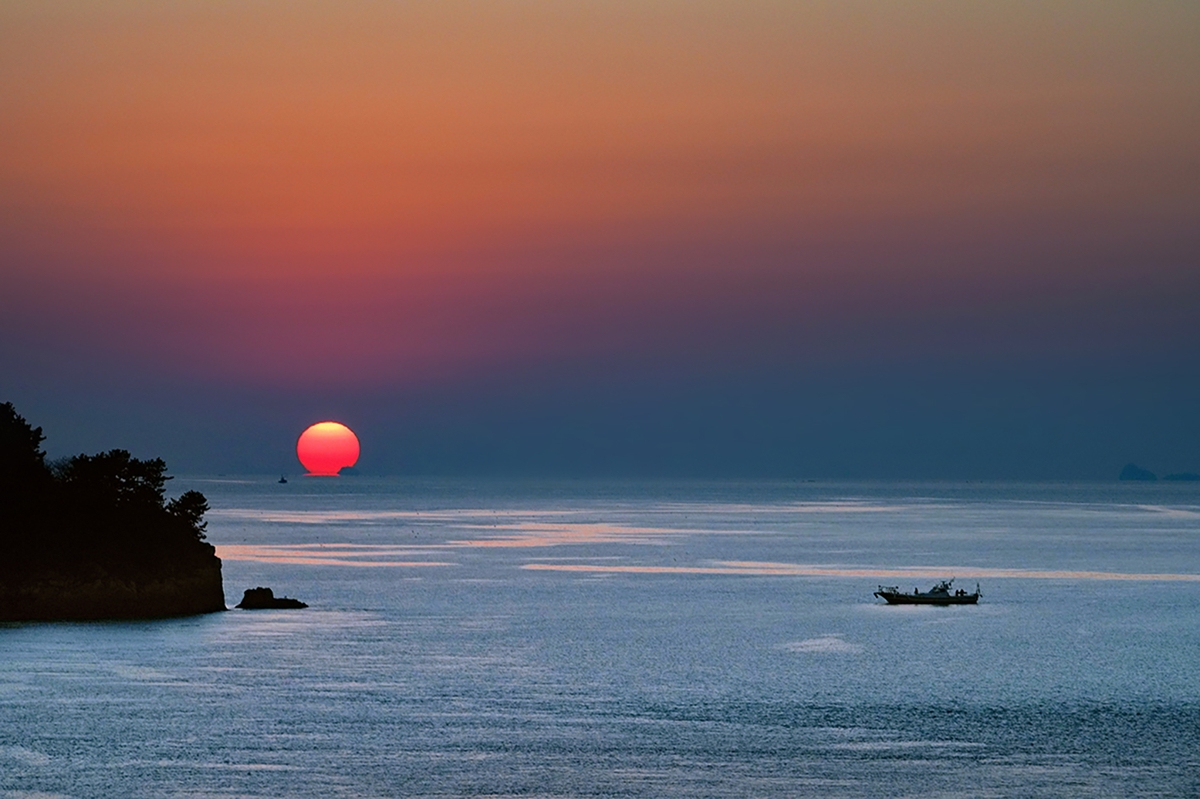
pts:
pixel 590 638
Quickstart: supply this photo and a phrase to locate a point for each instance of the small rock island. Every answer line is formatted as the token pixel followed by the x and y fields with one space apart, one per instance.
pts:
pixel 264 599
pixel 94 537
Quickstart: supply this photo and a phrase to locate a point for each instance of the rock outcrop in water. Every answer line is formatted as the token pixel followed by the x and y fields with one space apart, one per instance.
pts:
pixel 93 536
pixel 264 599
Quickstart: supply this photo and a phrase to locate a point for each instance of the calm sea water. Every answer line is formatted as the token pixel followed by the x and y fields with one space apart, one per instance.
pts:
pixel 666 639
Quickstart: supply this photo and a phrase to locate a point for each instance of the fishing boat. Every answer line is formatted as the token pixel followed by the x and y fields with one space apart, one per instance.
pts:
pixel 940 594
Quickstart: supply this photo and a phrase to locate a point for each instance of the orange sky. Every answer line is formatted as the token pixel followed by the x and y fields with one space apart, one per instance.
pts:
pixel 285 137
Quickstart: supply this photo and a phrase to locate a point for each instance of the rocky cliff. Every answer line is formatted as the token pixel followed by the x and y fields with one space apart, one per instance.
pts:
pixel 67 597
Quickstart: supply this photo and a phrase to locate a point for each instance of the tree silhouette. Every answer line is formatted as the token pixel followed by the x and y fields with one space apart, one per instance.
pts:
pixel 21 452
pixel 103 512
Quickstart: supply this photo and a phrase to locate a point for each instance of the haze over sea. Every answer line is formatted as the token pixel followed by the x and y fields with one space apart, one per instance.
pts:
pixel 675 639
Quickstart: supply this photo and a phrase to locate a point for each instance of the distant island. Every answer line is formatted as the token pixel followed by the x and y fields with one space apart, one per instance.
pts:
pixel 93 536
pixel 1134 472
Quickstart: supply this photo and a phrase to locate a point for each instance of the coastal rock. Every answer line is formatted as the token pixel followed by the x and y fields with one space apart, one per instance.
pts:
pixel 264 599
pixel 1135 472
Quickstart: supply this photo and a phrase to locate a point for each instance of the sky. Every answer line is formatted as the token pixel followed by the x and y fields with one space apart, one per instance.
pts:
pixel 953 240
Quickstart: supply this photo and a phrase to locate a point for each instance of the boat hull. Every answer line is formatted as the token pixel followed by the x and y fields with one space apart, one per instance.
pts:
pixel 910 599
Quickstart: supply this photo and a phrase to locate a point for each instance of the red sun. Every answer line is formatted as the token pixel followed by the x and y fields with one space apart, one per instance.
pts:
pixel 326 447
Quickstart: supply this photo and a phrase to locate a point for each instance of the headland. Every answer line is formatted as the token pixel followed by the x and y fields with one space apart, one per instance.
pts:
pixel 94 536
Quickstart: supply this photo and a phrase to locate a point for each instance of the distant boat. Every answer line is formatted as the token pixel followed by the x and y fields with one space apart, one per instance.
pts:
pixel 940 594
pixel 282 479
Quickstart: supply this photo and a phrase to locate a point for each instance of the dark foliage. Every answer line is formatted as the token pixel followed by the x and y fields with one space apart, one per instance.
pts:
pixel 102 514
pixel 21 454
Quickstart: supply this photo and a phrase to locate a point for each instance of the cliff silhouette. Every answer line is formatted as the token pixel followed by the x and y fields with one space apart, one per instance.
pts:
pixel 94 537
